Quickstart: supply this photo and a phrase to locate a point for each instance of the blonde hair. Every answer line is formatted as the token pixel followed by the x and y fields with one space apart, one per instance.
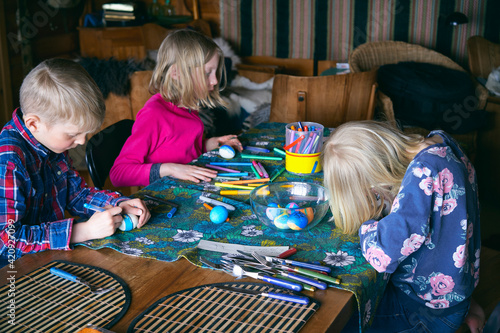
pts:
pixel 188 51
pixel 364 162
pixel 61 91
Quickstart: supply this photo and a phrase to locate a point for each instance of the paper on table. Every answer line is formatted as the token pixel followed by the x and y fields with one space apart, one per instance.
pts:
pixel 233 248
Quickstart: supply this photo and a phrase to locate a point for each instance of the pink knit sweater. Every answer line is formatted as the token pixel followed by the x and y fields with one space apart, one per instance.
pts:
pixel 162 133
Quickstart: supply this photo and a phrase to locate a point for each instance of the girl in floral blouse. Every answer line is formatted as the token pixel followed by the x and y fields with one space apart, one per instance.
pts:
pixel 414 203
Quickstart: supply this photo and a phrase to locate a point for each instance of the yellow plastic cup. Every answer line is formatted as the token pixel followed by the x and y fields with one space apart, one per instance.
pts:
pixel 302 163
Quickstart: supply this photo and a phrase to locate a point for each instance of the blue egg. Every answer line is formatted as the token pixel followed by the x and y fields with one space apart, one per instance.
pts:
pixel 218 214
pixel 226 151
pixel 272 212
pixel 280 221
pixel 297 221
pixel 292 205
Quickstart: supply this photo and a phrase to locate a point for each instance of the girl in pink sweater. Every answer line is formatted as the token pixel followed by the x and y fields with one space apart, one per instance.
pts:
pixel 168 132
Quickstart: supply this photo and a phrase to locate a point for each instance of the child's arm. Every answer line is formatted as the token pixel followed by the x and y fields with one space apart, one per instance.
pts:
pixel 231 140
pixel 386 242
pixel 32 235
pixel 187 172
pixel 100 225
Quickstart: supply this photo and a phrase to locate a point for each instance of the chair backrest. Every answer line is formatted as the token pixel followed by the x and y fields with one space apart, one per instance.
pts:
pixel 328 100
pixel 484 56
pixel 372 55
pixel 103 148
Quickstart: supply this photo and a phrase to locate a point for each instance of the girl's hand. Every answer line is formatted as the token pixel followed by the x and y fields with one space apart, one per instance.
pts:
pixel 187 172
pixel 99 225
pixel 230 140
pixel 136 207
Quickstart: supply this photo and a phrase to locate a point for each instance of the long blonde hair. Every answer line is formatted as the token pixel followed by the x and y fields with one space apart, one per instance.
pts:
pixel 364 162
pixel 61 91
pixel 189 51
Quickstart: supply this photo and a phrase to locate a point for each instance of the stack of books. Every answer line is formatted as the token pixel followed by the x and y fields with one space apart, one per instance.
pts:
pixel 124 13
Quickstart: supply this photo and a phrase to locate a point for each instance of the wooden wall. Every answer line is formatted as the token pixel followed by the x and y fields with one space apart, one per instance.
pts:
pixel 47 32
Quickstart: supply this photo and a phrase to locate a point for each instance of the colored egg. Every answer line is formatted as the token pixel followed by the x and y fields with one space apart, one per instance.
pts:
pixel 272 212
pixel 218 214
pixel 280 221
pixel 297 221
pixel 308 212
pixel 226 151
pixel 292 205
pixel 129 222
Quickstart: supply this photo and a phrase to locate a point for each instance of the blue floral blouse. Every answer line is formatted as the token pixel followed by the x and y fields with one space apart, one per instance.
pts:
pixel 430 241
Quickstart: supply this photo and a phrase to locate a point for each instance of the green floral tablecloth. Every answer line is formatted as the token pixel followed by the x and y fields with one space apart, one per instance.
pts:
pixel 170 239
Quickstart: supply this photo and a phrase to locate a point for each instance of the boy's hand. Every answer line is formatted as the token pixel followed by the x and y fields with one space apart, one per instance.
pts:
pixel 187 172
pixel 99 225
pixel 230 140
pixel 136 207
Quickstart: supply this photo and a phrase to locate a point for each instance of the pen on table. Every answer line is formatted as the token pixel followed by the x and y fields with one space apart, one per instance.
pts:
pixel 255 171
pixel 260 157
pixel 173 204
pixel 233 174
pixel 231 163
pixel 279 151
pixel 264 172
pixel 257 149
pixel 235 192
pixel 216 167
pixel 226 178
pixel 241 187
pixel 279 172
pixel 216 202
pixel 257 167
pixel 248 181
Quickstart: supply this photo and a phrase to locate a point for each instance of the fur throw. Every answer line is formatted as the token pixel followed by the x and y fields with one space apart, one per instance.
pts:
pixel 493 83
pixel 111 75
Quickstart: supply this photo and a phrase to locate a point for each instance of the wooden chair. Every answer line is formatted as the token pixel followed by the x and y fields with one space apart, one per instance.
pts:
pixel 372 55
pixel 328 100
pixel 484 56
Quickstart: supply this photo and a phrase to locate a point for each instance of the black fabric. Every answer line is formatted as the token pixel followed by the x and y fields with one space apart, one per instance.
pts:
pixel 431 96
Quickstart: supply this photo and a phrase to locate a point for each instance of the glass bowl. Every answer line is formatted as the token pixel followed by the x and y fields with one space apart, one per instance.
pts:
pixel 289 206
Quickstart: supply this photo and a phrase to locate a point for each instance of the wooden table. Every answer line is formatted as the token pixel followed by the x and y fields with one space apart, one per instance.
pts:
pixel 150 280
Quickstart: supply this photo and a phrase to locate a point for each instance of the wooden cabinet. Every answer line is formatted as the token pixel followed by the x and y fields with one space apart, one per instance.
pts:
pixel 129 42
pixel 120 43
